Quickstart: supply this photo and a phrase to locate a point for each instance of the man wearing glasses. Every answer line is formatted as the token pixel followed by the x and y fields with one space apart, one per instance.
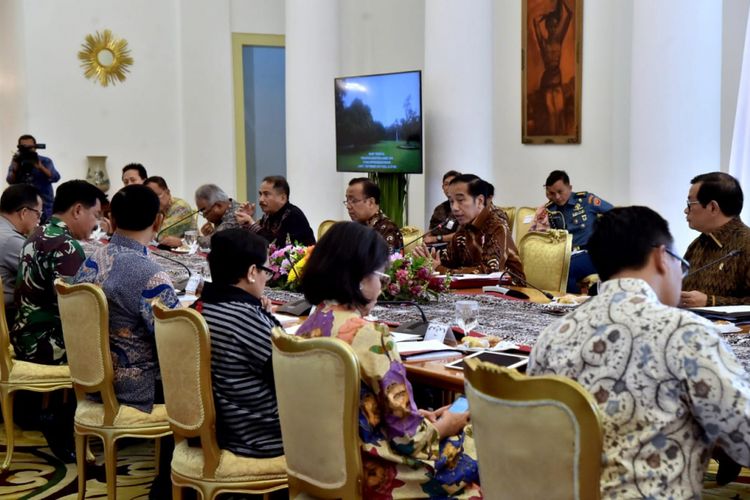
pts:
pixel 668 388
pixel 20 211
pixel 218 209
pixel 713 207
pixel 363 204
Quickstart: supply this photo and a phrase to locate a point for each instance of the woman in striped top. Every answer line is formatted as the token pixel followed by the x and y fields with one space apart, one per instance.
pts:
pixel 238 317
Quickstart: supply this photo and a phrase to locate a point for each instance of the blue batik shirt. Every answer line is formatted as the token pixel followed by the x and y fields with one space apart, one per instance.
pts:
pixel 132 282
pixel 577 216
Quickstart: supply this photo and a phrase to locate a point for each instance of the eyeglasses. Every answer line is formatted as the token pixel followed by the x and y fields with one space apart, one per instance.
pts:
pixel 270 272
pixel 205 210
pixel 352 201
pixel 684 265
pixel 37 212
pixel 384 278
pixel 691 203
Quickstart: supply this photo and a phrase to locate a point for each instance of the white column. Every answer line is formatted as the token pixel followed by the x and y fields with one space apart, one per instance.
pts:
pixel 739 160
pixel 312 62
pixel 675 104
pixel 13 93
pixel 457 92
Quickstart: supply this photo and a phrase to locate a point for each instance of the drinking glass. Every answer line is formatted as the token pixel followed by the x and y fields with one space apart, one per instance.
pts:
pixel 467 313
pixel 190 237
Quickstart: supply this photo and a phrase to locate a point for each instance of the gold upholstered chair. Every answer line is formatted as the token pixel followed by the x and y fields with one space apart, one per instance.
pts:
pixel 536 437
pixel 16 375
pixel 324 226
pixel 546 258
pixel 184 346
pixel 411 234
pixel 510 213
pixel 85 320
pixel 317 386
pixel 524 218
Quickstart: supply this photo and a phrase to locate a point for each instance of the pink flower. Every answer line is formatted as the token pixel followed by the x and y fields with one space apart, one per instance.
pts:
pixel 393 289
pixel 424 273
pixel 416 289
pixel 402 275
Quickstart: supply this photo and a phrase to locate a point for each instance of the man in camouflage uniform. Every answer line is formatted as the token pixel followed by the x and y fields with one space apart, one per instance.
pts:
pixel 51 252
pixel 576 213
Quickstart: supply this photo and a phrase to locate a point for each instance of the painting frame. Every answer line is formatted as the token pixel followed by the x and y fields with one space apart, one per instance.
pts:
pixel 551 68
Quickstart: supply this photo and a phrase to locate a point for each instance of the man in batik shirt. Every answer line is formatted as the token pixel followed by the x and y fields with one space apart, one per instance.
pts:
pixel 179 216
pixel 668 387
pixel 51 252
pixel 363 204
pixel 132 282
pixel 218 209
pixel 482 243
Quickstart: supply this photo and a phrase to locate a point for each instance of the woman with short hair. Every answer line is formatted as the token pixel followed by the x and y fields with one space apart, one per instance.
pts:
pixel 406 452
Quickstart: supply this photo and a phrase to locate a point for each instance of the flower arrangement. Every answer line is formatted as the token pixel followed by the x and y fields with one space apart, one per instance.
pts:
pixel 287 263
pixel 412 279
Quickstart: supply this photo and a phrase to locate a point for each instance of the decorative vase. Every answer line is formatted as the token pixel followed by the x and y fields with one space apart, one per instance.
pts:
pixel 97 173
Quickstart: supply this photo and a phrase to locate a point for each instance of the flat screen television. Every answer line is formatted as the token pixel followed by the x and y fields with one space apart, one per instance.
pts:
pixel 379 123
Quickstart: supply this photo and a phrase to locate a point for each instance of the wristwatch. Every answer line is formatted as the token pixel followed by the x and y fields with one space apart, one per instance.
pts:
pixel 440 238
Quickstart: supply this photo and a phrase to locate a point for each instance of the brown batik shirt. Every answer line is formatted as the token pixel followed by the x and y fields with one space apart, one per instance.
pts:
pixel 482 246
pixel 727 282
pixel 387 229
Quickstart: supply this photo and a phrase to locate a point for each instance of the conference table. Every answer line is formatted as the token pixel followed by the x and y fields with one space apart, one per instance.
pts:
pixel 513 320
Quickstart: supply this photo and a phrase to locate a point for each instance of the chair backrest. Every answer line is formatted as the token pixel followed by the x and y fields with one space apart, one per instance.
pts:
pixel 317 386
pixel 183 345
pixel 410 234
pixel 546 258
pixel 6 363
pixel 85 321
pixel 325 226
pixel 524 218
pixel 536 437
pixel 510 213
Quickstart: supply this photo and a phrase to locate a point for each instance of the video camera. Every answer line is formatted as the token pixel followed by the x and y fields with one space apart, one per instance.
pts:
pixel 27 158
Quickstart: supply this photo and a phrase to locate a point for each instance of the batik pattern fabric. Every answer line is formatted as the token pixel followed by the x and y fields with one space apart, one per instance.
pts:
pixel 228 221
pixel 728 282
pixel 482 246
pixel 177 220
pixel 667 385
pixel 401 453
pixel 132 283
pixel 387 229
pixel 49 253
pixel 286 226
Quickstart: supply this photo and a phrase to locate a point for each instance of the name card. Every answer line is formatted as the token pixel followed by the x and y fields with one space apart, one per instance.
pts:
pixel 440 332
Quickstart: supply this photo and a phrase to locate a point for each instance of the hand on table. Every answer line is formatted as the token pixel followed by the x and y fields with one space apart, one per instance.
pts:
pixel 266 304
pixel 171 241
pixel 693 298
pixel 450 424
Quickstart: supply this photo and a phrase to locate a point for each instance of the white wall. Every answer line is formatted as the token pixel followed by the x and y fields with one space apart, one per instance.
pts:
pixel 12 80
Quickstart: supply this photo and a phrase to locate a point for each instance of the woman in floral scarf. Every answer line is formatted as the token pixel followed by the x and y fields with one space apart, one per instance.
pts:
pixel 406 452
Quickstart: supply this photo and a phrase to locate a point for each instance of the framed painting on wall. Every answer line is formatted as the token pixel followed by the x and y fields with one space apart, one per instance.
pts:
pixel 551 71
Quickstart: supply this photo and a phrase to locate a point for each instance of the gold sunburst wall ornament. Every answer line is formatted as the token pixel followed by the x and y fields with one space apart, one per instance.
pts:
pixel 105 58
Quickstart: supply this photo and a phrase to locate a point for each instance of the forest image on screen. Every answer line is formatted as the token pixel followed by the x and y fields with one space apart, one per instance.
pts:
pixel 379 123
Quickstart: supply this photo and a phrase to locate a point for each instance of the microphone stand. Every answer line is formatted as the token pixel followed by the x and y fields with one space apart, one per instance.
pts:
pixel 733 253
pixel 526 283
pixel 190 273
pixel 417 327
pixel 175 223
pixel 447 224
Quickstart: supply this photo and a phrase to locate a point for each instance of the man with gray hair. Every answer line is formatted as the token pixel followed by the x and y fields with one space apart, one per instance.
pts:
pixel 218 209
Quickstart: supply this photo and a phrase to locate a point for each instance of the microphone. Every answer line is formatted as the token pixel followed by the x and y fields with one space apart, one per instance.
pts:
pixel 733 253
pixel 190 273
pixel 176 222
pixel 416 328
pixel 449 224
pixel 526 283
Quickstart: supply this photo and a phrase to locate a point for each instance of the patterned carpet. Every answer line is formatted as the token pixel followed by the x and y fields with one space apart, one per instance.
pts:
pixel 35 473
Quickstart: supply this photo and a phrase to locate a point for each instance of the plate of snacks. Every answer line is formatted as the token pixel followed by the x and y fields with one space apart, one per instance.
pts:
pixel 725 326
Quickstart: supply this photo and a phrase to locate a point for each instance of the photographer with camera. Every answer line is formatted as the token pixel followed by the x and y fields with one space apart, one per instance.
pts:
pixel 28 167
